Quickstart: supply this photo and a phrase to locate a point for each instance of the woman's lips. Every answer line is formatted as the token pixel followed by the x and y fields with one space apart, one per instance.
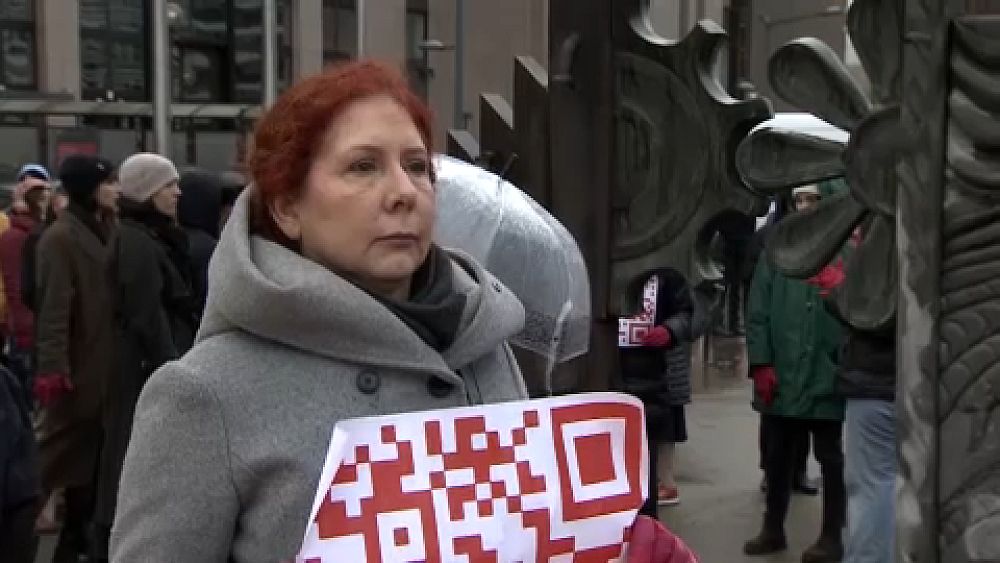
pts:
pixel 398 239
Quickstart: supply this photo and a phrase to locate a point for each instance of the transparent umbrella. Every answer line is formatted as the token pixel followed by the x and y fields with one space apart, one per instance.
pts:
pixel 526 248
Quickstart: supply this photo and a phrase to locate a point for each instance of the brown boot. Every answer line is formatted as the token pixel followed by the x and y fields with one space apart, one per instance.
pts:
pixel 768 541
pixel 825 550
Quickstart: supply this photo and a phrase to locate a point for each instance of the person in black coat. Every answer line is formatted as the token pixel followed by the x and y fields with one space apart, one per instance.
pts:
pixel 20 486
pixel 655 363
pixel 200 212
pixel 155 310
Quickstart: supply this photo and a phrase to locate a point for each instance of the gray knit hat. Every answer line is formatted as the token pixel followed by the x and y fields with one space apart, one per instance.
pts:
pixel 143 174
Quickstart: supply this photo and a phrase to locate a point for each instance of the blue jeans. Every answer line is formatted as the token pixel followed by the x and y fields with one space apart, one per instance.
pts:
pixel 871 480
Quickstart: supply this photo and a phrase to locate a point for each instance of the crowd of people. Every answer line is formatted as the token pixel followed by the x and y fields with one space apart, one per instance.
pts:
pixel 104 272
pixel 180 380
pixel 182 406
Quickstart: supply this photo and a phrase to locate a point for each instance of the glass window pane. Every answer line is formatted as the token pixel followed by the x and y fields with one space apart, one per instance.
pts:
pixel 208 18
pixel 347 32
pixel 19 58
pixel 129 75
pixel 127 16
pixel 20 10
pixel 93 14
pixel 416 33
pixel 94 64
pixel 201 75
pixel 247 51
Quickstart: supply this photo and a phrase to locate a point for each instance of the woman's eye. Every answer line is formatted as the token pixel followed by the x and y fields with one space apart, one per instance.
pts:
pixel 418 167
pixel 363 166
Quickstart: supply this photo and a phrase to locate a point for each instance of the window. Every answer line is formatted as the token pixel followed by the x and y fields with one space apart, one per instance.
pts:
pixel 417 67
pixel 17 44
pixel 340 30
pixel 216 50
pixel 114 49
pixel 286 37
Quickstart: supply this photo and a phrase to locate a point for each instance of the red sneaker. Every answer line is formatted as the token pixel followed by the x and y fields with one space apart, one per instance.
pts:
pixel 667 496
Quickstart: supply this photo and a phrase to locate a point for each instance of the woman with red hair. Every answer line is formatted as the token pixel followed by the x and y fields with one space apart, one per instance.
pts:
pixel 327 300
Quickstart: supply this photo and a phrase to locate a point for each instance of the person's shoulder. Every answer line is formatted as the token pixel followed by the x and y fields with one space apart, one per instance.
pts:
pixel 60 232
pixel 233 357
pixel 134 232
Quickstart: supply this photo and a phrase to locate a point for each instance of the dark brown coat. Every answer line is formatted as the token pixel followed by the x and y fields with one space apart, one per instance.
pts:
pixel 75 337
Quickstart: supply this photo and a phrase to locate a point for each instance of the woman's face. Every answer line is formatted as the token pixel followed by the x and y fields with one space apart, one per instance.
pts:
pixel 165 200
pixel 367 209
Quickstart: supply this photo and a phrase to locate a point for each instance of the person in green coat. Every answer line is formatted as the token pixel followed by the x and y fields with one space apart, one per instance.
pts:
pixel 793 343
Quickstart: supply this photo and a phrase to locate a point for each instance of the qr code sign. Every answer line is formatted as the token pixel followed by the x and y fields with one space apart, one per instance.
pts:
pixel 557 479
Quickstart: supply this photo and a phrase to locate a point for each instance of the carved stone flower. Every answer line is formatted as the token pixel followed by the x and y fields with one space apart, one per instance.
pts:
pixel 809 75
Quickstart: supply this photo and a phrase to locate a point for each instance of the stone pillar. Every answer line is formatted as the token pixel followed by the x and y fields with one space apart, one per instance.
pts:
pixel 59 46
pixel 307 30
pixel 385 31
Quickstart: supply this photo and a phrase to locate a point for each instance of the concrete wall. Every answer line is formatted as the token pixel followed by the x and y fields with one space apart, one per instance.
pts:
pixel 58 46
pixel 307 30
pixel 513 27
pixel 674 18
pixel 775 22
pixel 385 30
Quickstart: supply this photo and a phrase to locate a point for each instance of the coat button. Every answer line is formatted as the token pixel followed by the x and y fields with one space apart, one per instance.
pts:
pixel 368 382
pixel 439 388
pixel 498 287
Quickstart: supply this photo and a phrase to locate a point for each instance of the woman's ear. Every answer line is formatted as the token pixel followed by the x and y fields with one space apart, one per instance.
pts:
pixel 285 212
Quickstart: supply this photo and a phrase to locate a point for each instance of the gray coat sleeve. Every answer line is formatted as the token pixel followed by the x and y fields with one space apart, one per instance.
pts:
pixel 177 500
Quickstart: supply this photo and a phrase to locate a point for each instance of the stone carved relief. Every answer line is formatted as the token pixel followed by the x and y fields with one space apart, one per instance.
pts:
pixel 969 387
pixel 675 127
pixel 923 162
pixel 809 75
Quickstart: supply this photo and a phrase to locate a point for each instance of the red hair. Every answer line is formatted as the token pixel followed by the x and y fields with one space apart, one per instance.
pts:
pixel 289 134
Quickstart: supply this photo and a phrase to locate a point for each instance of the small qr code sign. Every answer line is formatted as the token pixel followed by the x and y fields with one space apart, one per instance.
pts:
pixel 556 479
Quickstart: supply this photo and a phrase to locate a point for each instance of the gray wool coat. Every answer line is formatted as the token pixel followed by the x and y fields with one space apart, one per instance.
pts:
pixel 229 441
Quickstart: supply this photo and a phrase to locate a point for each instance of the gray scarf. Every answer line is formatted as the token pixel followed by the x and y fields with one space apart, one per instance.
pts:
pixel 434 310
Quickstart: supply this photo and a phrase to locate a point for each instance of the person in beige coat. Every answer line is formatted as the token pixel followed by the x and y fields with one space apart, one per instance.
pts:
pixel 327 300
pixel 75 341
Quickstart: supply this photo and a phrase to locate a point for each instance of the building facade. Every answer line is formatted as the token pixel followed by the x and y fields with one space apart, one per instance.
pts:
pixel 77 74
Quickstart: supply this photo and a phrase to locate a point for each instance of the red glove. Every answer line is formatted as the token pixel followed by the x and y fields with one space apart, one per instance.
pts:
pixel 765 382
pixel 650 542
pixel 657 336
pixel 829 278
pixel 23 342
pixel 50 387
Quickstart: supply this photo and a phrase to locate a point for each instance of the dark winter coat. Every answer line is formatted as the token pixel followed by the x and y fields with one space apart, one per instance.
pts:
pixel 868 369
pixel 154 323
pixel 662 378
pixel 790 329
pixel 19 482
pixel 29 261
pixel 199 212
pixel 20 319
pixel 75 337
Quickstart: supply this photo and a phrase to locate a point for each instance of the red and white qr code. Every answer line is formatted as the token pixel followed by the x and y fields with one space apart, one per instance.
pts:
pixel 558 479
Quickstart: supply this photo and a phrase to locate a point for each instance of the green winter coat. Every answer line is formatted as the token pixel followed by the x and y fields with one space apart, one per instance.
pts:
pixel 789 328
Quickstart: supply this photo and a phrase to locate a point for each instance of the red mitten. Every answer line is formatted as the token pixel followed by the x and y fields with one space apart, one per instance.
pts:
pixel 829 278
pixel 50 387
pixel 765 383
pixel 650 542
pixel 23 342
pixel 657 336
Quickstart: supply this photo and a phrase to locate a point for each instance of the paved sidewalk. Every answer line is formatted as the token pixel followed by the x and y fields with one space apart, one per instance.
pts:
pixel 721 504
